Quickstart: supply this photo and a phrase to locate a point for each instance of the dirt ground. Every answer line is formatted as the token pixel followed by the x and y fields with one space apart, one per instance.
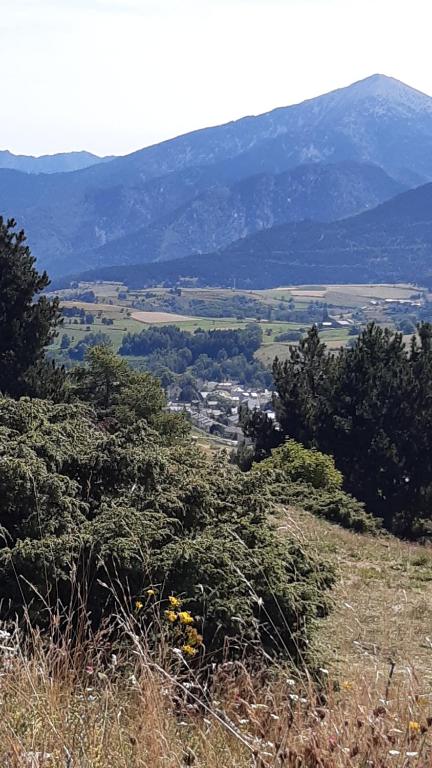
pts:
pixel 160 317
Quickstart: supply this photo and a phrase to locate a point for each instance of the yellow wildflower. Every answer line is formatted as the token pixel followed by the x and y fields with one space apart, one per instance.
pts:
pixel 174 602
pixel 138 606
pixel 347 685
pixel 193 637
pixel 151 592
pixel 171 616
pixel 185 617
pixel 188 650
pixel 414 726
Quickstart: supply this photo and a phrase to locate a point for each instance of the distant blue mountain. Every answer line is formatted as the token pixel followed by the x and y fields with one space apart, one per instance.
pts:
pixel 60 163
pixel 391 243
pixel 324 159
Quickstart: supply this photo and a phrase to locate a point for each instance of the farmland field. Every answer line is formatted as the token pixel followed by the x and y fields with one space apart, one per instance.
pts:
pixel 119 311
pixel 159 318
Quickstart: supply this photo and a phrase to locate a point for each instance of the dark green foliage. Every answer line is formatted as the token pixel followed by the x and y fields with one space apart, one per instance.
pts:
pixel 209 355
pixel 243 457
pixel 333 505
pixel 83 506
pixel 370 406
pixel 210 343
pixel 303 384
pixel 289 336
pixel 65 341
pixel 88 297
pixel 27 320
pixel 306 478
pixel 79 351
pixel 261 430
pixel 122 396
pixel 249 373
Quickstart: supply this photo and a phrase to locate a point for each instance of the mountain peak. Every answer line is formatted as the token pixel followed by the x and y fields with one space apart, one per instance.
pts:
pixel 387 89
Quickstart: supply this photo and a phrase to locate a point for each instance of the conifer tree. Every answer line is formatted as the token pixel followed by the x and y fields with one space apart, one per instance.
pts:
pixel 370 407
pixel 28 320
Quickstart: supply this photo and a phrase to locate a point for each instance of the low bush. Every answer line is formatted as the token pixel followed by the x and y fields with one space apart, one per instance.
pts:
pixel 289 336
pixel 300 464
pixel 334 505
pixel 85 509
pixel 307 478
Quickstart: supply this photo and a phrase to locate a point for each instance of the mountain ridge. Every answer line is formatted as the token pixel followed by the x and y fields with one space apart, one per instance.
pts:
pixel 392 242
pixel 75 217
pixel 315 191
pixel 60 162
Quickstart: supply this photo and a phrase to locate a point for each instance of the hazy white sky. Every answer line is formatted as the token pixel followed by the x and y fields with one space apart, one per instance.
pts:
pixel 112 76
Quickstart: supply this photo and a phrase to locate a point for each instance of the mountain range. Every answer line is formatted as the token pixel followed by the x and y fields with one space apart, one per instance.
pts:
pixel 391 243
pixel 262 182
pixel 60 163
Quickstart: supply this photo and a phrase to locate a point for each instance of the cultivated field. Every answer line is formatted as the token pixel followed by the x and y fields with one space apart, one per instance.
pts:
pixel 345 293
pixel 127 314
pixel 160 318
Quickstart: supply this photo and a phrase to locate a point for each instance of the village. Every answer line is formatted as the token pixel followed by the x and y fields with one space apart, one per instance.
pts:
pixel 215 408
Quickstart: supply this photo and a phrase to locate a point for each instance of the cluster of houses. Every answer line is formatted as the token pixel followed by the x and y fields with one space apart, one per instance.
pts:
pixel 216 408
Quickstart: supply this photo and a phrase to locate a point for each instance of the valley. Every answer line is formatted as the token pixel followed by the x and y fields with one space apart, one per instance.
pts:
pixel 211 390
pixel 216 404
pixel 117 310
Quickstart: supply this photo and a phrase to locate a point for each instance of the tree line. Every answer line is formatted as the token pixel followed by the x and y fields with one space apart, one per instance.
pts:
pixel 370 407
pixel 214 343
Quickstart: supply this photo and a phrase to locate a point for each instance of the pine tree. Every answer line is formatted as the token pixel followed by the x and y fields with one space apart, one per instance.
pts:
pixel 370 407
pixel 303 383
pixel 28 320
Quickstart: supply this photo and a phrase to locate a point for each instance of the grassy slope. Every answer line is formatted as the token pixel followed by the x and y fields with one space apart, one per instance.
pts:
pixel 382 601
pixel 135 713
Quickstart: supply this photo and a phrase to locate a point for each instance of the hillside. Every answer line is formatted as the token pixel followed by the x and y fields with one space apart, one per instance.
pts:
pixel 358 637
pixel 164 606
pixel 222 214
pixel 151 193
pixel 130 712
pixel 393 242
pixel 59 163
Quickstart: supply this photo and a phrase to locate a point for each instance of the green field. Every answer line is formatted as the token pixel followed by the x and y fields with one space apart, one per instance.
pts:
pixel 270 346
pixel 342 301
pixel 114 332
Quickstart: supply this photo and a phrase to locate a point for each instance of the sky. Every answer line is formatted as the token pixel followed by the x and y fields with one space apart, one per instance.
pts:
pixel 113 76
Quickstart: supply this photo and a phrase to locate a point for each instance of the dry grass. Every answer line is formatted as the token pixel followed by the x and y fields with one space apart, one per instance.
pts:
pixel 158 318
pixel 382 602
pixel 132 715
pixel 87 707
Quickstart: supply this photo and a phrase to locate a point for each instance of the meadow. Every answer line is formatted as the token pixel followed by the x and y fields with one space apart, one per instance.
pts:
pixel 64 705
pixel 342 300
